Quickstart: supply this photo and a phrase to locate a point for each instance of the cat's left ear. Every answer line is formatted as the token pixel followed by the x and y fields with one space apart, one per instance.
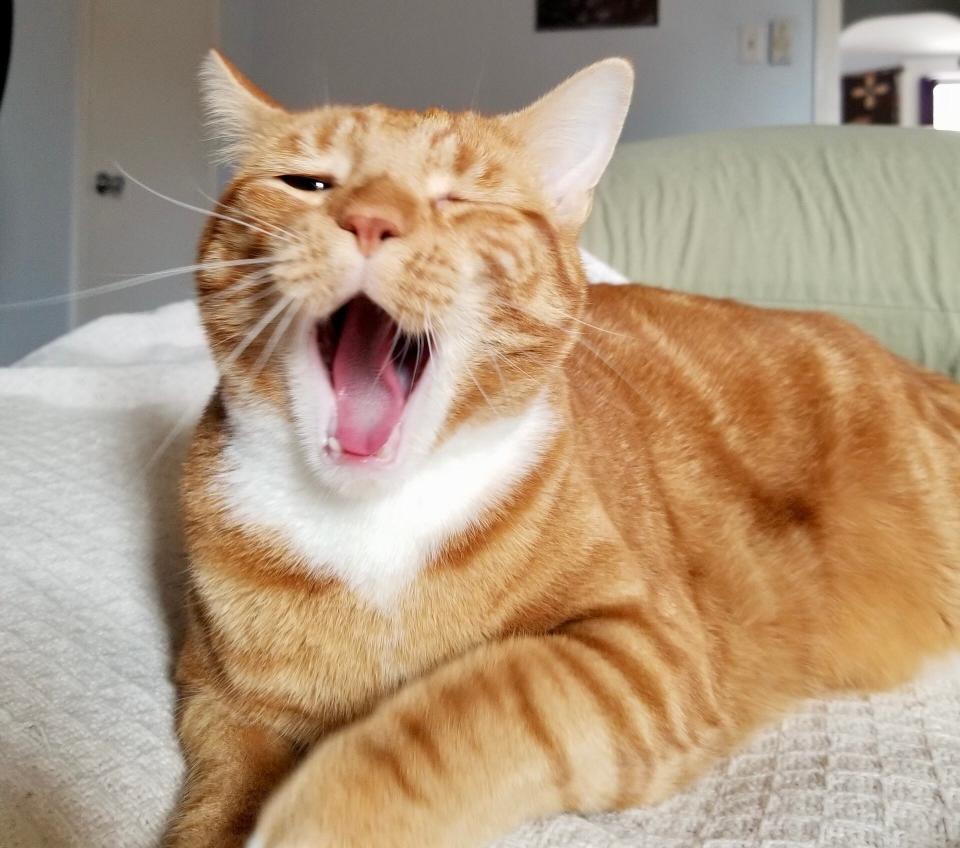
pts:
pixel 236 109
pixel 572 132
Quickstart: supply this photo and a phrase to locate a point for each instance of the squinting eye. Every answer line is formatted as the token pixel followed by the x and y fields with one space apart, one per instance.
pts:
pixel 305 183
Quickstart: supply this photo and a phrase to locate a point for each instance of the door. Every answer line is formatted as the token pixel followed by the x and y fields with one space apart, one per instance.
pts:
pixel 139 109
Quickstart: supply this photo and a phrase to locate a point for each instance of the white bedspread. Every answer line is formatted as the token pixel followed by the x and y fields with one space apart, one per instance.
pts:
pixel 90 572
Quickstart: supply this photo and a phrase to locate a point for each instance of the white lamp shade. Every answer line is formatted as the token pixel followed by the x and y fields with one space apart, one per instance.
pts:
pixel 921 34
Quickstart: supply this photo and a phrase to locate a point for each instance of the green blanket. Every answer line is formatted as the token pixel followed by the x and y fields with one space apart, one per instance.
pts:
pixel 860 221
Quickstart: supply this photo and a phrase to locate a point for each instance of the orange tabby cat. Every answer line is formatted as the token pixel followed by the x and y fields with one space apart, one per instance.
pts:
pixel 472 542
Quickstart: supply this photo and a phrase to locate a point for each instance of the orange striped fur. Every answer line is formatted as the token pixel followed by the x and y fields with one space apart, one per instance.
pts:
pixel 732 508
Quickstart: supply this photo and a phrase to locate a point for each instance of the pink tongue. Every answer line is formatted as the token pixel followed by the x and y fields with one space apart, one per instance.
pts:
pixel 370 399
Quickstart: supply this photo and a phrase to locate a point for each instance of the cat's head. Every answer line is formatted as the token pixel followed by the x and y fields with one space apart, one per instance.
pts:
pixel 385 278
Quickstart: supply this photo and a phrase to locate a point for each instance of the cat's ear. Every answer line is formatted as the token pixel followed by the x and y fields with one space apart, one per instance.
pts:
pixel 572 131
pixel 236 109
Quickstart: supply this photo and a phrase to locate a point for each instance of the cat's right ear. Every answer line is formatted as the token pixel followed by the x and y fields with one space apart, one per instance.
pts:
pixel 236 109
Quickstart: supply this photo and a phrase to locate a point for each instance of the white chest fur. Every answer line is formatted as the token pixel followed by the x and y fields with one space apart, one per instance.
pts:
pixel 377 543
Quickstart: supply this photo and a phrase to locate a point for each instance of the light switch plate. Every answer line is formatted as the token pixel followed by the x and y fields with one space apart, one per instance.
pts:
pixel 752 44
pixel 781 41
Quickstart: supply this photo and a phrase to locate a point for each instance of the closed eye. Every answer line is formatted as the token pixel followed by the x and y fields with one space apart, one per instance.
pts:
pixel 447 199
pixel 302 182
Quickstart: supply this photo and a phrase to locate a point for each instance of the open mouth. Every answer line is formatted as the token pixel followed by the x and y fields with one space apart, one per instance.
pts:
pixel 374 368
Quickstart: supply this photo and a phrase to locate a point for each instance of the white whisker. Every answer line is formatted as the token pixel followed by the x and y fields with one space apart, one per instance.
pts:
pixel 493 355
pixel 283 325
pixel 473 379
pixel 393 347
pixel 565 316
pixel 258 328
pixel 251 218
pixel 482 392
pixel 416 364
pixel 140 280
pixel 430 336
pixel 255 297
pixel 496 365
pixel 509 363
pixel 598 329
pixel 232 357
pixel 199 209
pixel 245 282
pixel 615 371
pixel 476 88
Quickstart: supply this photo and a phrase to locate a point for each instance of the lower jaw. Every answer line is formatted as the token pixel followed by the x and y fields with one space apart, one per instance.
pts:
pixel 384 457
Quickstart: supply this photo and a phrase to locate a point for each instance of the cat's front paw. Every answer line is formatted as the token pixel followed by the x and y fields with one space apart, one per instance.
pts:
pixel 266 837
pixel 284 823
pixel 338 797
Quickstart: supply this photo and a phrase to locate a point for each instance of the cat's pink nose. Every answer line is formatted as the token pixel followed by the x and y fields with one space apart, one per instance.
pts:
pixel 371 231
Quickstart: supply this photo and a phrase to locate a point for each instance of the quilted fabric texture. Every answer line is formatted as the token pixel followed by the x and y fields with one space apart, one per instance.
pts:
pixel 90 572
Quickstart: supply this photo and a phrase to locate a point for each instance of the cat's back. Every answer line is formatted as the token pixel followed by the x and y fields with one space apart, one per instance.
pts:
pixel 712 367
pixel 778 415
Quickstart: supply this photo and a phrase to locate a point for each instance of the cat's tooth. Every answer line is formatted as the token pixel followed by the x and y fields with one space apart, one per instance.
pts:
pixel 333 445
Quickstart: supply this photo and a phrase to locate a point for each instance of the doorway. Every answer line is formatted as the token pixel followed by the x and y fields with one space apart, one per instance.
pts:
pixel 139 111
pixel 862 53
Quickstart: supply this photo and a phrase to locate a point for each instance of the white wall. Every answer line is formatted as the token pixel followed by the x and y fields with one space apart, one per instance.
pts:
pixel 238 19
pixel 454 53
pixel 36 155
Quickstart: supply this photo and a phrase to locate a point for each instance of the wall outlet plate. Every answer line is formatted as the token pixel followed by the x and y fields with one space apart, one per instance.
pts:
pixel 781 41
pixel 752 44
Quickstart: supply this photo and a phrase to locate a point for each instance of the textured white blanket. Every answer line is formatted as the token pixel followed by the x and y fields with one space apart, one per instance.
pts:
pixel 90 574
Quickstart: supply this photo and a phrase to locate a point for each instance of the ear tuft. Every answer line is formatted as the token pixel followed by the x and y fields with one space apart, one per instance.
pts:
pixel 572 132
pixel 236 109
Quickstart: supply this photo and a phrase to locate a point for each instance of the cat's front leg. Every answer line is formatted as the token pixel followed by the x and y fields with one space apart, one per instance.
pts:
pixel 588 719
pixel 232 766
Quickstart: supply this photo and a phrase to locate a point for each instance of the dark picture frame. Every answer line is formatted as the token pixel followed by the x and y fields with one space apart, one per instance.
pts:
pixel 872 97
pixel 596 14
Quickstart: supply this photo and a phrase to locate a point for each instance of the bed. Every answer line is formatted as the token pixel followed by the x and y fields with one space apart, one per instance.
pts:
pixel 91 561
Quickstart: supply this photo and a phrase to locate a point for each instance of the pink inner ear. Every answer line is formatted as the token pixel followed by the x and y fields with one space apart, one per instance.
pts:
pixel 370 397
pixel 571 132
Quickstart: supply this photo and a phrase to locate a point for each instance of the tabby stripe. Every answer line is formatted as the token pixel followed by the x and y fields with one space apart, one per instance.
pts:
pixel 387 759
pixel 240 554
pixel 642 681
pixel 465 158
pixel 674 656
pixel 771 510
pixel 502 522
pixel 225 663
pixel 456 700
pixel 614 711
pixel 633 615
pixel 493 265
pixel 527 603
pixel 488 690
pixel 419 736
pixel 716 643
pixel 546 739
